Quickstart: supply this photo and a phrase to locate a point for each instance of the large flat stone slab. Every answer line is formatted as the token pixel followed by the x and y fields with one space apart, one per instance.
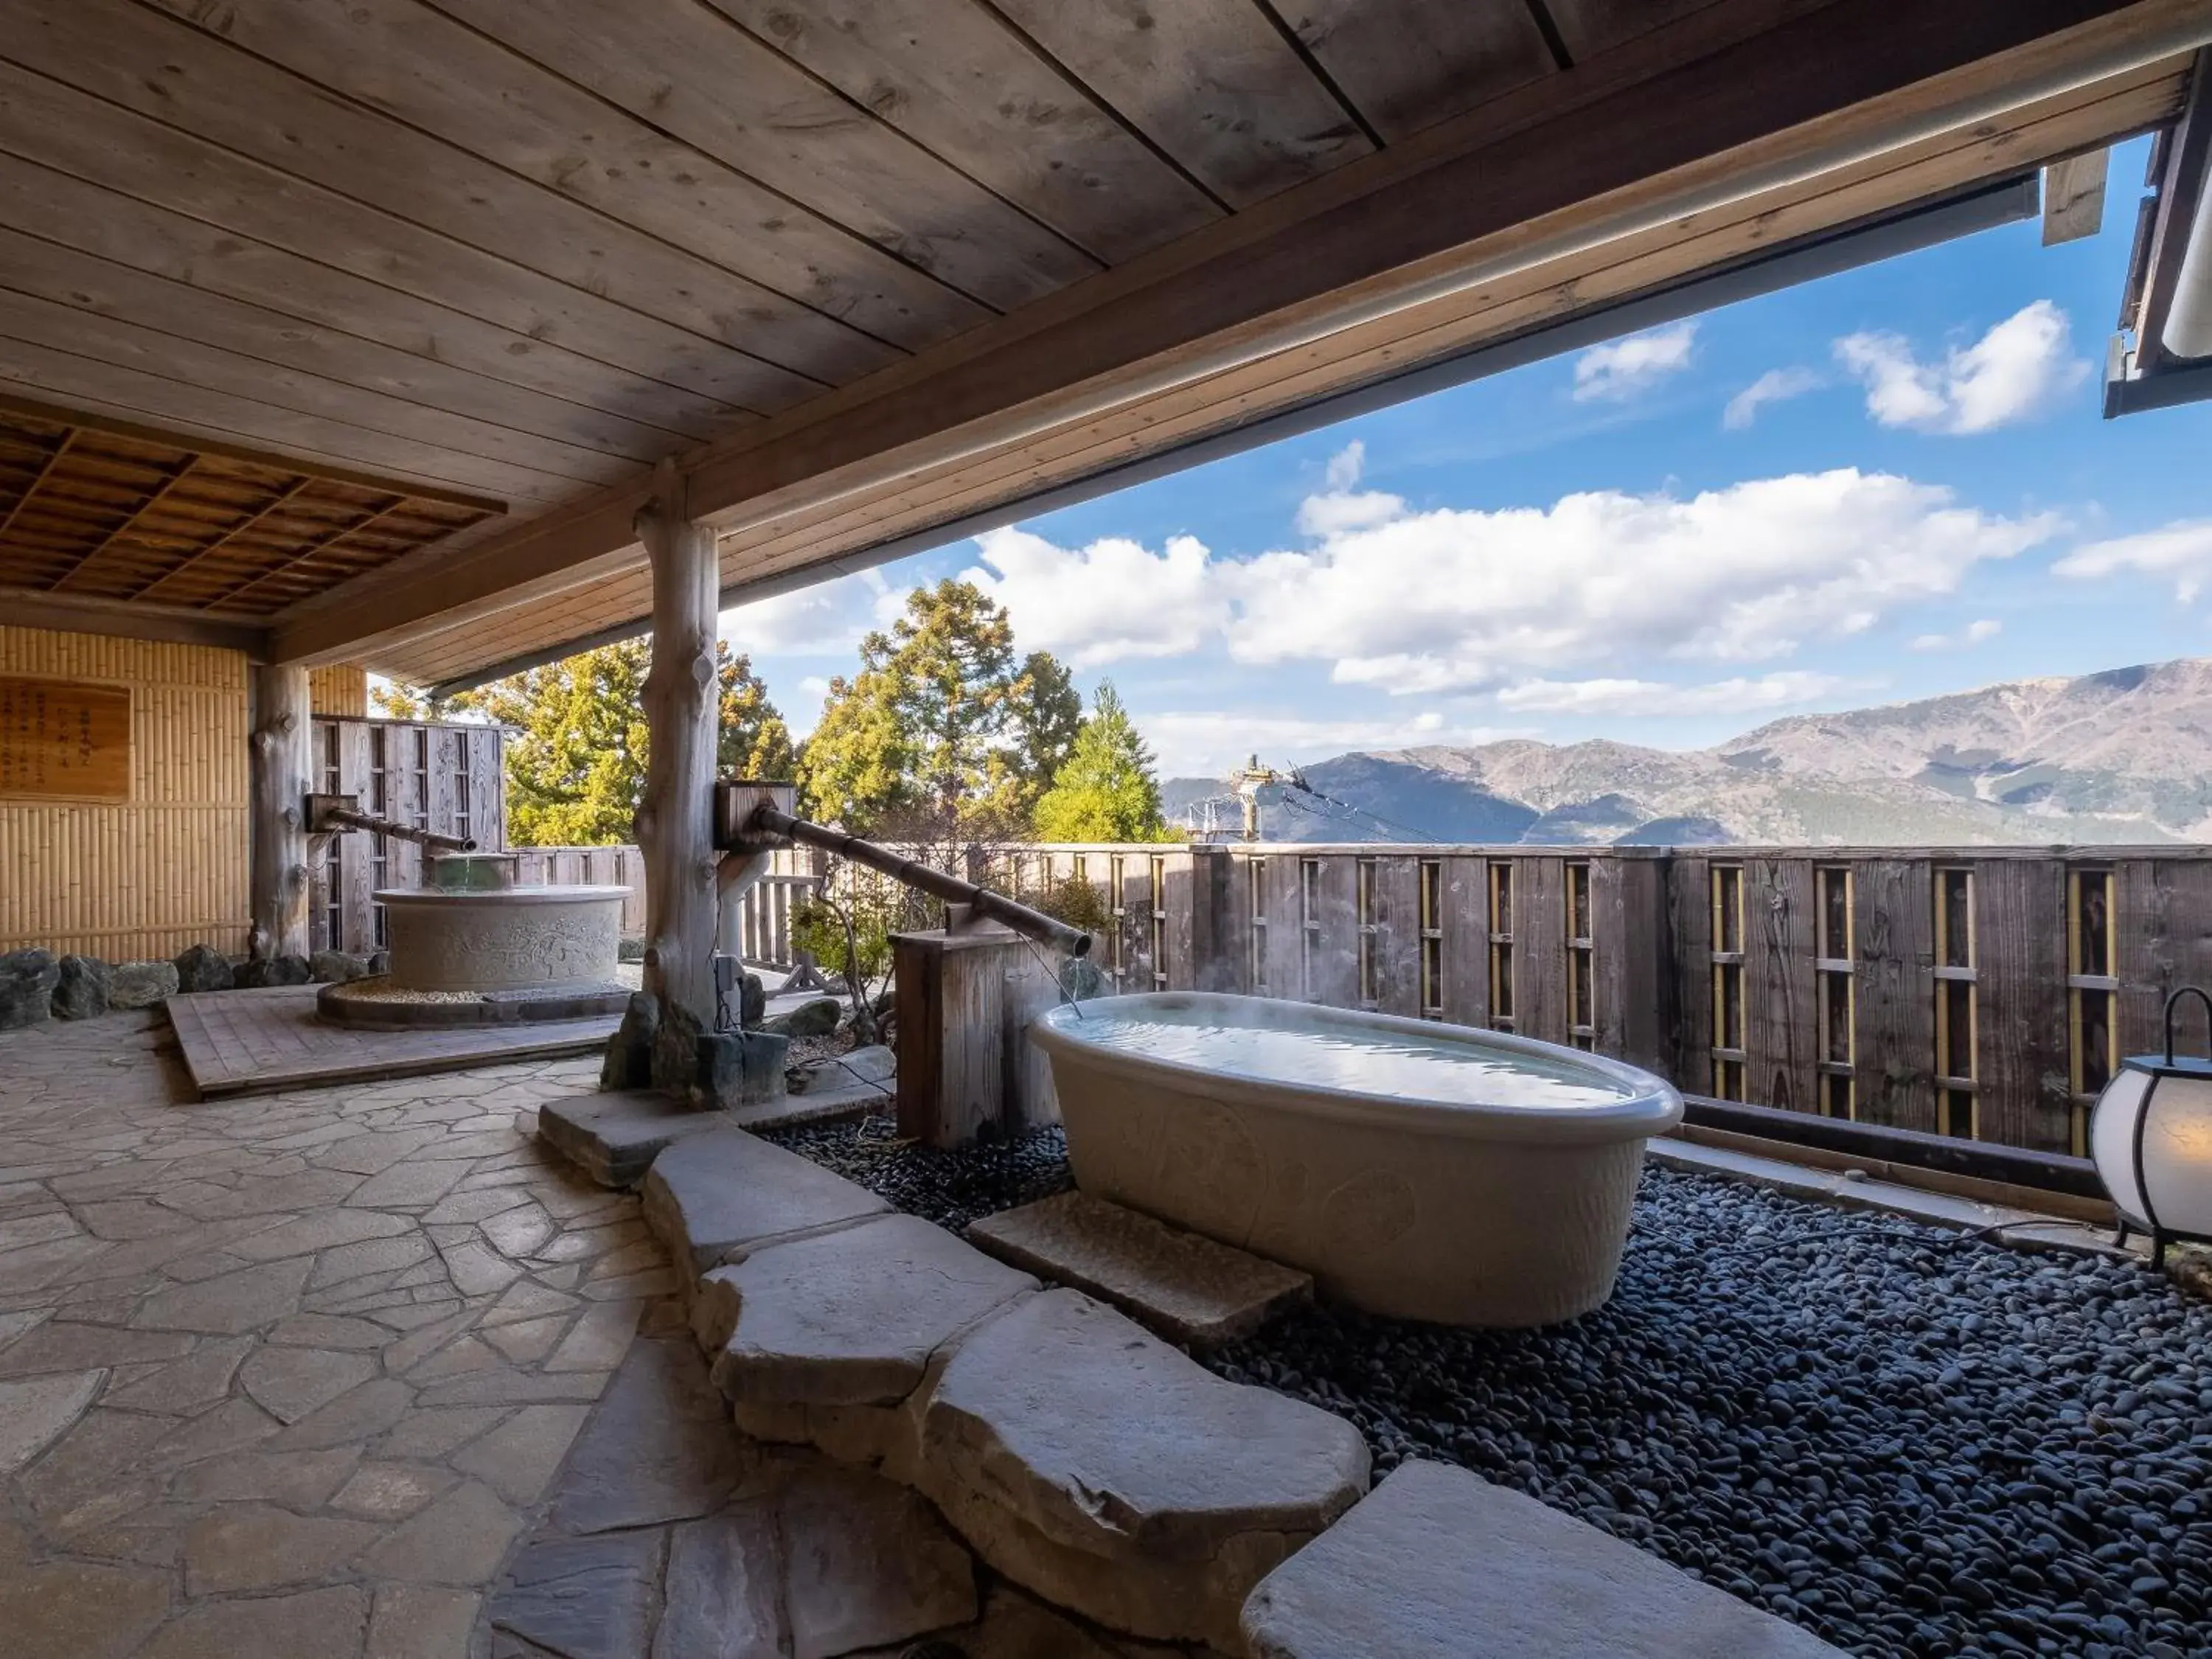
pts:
pixel 614 1138
pixel 850 1317
pixel 1189 1288
pixel 1439 1563
pixel 713 1198
pixel 1089 1460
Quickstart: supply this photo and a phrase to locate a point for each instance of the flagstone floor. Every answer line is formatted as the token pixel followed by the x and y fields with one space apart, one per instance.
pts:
pixel 285 1375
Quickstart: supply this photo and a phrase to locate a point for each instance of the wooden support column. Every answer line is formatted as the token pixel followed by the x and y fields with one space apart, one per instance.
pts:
pixel 964 1003
pixel 278 787
pixel 675 820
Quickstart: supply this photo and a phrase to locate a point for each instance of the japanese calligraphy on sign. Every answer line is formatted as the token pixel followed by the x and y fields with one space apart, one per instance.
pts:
pixel 65 740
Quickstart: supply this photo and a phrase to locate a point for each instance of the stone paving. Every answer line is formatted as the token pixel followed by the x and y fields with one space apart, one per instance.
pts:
pixel 286 1376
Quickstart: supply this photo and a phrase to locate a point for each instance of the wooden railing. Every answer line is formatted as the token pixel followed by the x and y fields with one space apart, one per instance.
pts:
pixel 764 915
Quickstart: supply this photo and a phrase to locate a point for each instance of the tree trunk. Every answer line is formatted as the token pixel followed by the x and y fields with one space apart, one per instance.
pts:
pixel 283 737
pixel 675 820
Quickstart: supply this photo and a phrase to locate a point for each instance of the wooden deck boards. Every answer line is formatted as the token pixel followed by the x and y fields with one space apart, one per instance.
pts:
pixel 240 1042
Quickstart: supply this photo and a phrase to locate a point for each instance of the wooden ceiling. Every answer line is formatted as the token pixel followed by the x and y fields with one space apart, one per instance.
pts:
pixel 99 513
pixel 522 250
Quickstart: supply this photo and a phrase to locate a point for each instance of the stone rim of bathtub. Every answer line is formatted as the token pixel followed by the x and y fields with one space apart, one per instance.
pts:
pixel 1654 1107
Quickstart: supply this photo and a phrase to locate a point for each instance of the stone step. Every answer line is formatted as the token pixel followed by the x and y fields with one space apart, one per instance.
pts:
pixel 847 1318
pixel 614 1138
pixel 1188 1288
pixel 1112 1474
pixel 1437 1563
pixel 713 1197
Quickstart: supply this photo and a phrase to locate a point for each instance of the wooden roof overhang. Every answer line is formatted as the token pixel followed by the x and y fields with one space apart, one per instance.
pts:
pixel 860 272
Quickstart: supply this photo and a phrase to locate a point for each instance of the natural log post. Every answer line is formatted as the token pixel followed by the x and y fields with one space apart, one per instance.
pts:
pixel 278 786
pixel 675 820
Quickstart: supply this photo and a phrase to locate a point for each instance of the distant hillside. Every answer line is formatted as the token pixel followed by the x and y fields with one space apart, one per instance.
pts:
pixel 2124 756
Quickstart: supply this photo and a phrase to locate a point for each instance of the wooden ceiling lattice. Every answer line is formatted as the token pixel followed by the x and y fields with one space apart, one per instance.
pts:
pixel 95 512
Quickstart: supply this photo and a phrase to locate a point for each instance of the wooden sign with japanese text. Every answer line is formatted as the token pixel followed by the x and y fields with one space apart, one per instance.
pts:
pixel 65 740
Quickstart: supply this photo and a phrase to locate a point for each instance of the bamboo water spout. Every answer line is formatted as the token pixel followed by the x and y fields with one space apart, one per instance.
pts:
pixel 766 825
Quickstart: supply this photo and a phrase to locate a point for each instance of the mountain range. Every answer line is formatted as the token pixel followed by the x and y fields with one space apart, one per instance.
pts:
pixel 2120 756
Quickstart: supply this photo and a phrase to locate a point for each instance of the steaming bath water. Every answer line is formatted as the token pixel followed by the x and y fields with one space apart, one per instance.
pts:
pixel 1318 1052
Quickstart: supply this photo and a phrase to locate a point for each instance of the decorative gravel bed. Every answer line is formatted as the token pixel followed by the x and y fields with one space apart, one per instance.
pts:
pixel 1910 1442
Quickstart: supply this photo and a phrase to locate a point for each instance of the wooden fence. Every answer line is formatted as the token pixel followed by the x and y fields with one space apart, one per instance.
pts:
pixel 1976 992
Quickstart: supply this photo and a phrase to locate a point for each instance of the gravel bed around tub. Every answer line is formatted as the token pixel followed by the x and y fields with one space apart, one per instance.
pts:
pixel 951 1188
pixel 1909 1441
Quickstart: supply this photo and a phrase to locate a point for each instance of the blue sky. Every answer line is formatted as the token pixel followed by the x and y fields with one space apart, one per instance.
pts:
pixel 1922 497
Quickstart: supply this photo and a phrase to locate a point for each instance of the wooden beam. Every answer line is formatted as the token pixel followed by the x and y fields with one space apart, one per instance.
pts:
pixel 1583 160
pixel 277 790
pixel 131 619
pixel 675 820
pixel 2073 197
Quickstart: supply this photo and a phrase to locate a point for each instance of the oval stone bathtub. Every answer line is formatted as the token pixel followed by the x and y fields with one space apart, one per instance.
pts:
pixel 1420 1170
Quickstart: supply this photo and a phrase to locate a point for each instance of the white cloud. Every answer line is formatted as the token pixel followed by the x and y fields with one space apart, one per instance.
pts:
pixel 1776 386
pixel 1972 633
pixel 2019 368
pixel 1621 369
pixel 1340 508
pixel 1207 744
pixel 2180 553
pixel 1104 603
pixel 825 620
pixel 1653 697
pixel 1460 601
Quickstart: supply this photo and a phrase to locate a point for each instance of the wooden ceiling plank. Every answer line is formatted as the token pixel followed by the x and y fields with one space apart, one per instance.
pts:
pixel 396 106
pixel 129 344
pixel 284 129
pixel 1589 27
pixel 1211 81
pixel 63 276
pixel 958 81
pixel 105 542
pixel 92 221
pixel 229 539
pixel 685 69
pixel 31 489
pixel 306 552
pixel 1411 63
pixel 101 429
pixel 53 373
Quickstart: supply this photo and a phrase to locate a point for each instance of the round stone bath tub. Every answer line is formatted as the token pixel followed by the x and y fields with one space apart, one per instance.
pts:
pixel 1419 1170
pixel 512 939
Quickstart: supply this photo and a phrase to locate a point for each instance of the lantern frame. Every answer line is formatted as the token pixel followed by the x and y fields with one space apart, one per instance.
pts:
pixel 2157 1067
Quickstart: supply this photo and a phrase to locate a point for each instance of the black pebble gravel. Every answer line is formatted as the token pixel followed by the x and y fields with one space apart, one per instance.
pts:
pixel 1908 1441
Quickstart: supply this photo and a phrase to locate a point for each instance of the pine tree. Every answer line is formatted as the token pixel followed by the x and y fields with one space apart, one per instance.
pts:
pixel 1107 790
pixel 940 732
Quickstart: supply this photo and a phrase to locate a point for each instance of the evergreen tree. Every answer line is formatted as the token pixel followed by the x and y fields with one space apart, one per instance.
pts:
pixel 940 732
pixel 575 763
pixel 1107 790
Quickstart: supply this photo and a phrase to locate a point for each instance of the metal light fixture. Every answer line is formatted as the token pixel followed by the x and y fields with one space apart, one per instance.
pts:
pixel 2152 1140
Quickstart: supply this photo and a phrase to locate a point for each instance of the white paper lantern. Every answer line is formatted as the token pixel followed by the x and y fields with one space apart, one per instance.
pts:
pixel 2151 1138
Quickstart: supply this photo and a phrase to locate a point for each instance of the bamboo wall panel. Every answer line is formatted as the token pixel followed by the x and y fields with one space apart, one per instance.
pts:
pixel 167 869
pixel 340 692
